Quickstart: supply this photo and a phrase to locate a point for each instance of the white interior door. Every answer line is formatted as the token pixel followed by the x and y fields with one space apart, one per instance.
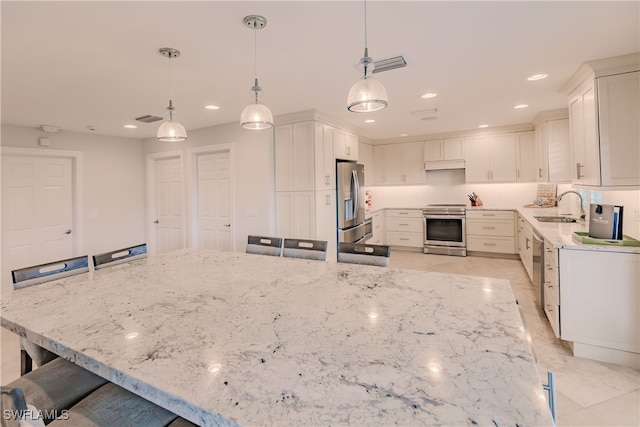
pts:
pixel 37 211
pixel 168 206
pixel 213 202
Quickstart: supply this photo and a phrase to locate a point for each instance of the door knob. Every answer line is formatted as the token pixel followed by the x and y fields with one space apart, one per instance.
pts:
pixel 67 232
pixel 227 225
pixel 156 222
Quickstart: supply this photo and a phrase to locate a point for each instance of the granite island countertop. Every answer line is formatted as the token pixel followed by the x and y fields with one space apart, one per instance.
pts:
pixel 228 338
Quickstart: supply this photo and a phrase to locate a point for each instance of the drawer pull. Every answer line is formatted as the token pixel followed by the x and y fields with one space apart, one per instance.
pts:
pixel 403 238
pixel 486 214
pixel 406 225
pixel 489 244
pixel 489 228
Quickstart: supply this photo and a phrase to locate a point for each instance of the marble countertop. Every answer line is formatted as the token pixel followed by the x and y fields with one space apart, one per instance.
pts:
pixel 560 235
pixel 230 338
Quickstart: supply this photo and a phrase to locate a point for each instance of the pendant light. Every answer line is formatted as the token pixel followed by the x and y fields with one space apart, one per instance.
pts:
pixel 367 94
pixel 256 115
pixel 171 130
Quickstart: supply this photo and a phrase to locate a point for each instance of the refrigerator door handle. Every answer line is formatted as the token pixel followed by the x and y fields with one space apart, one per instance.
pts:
pixel 356 192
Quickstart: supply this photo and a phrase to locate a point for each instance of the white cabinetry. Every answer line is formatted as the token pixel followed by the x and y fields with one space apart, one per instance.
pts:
pixel 325 161
pixel 490 231
pixel 305 179
pixel 551 287
pixel 294 157
pixel 600 304
pixel 365 158
pixel 400 163
pixel 553 151
pixel 378 228
pixel 404 228
pixel 604 106
pixel 526 154
pixel 525 245
pixel 325 225
pixel 443 154
pixel 345 145
pixel 490 158
pixel 295 214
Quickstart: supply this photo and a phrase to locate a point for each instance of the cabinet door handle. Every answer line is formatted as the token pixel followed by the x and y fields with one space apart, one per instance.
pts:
pixel 328 199
pixel 518 173
pixel 326 179
pixel 527 243
pixel 348 150
pixel 539 172
pixel 579 173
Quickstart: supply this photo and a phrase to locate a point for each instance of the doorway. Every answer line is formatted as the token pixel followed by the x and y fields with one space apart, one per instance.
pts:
pixel 165 201
pixel 212 204
pixel 41 212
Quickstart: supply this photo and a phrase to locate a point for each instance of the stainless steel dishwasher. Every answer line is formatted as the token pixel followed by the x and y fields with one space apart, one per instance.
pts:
pixel 538 268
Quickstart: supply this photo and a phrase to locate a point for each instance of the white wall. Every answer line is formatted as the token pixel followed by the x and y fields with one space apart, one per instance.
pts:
pixel 114 183
pixel 254 176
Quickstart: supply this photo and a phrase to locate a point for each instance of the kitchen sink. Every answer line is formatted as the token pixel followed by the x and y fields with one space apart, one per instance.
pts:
pixel 554 219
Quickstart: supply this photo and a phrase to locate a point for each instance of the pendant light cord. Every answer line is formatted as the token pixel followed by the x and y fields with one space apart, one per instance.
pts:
pixel 365 26
pixel 255 52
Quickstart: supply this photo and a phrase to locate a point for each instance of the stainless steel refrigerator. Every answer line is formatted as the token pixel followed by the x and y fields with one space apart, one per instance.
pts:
pixel 350 203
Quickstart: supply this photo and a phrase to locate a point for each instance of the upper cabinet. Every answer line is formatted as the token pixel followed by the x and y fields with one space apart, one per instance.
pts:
pixel 491 158
pixel 345 145
pixel 526 154
pixel 400 163
pixel 604 106
pixel 294 156
pixel 443 154
pixel 553 150
pixel 325 161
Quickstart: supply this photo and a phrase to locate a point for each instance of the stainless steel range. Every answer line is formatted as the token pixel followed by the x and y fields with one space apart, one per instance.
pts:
pixel 445 229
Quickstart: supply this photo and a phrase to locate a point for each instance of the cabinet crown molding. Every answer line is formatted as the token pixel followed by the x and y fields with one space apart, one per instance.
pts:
pixel 600 68
pixel 543 116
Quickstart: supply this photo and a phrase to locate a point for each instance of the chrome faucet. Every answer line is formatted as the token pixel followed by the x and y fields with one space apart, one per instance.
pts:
pixel 582 213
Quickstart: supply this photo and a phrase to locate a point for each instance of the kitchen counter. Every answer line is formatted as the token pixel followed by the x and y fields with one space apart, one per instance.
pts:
pixel 560 235
pixel 223 338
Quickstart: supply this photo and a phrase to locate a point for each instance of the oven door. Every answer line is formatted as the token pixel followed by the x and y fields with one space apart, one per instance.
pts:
pixel 445 230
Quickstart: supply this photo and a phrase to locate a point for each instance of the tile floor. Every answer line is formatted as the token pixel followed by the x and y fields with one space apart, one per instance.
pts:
pixel 589 393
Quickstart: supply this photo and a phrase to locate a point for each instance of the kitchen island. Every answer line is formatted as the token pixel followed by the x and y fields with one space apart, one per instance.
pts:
pixel 229 338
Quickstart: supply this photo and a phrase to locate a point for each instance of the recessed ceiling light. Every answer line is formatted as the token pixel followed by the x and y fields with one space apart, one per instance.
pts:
pixel 537 77
pixel 404 134
pixel 429 95
pixel 369 121
pixel 131 126
pixel 483 126
pixel 519 106
pixel 211 107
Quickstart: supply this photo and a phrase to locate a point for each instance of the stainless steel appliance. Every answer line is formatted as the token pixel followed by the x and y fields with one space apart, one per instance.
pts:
pixel 538 268
pixel 445 229
pixel 350 203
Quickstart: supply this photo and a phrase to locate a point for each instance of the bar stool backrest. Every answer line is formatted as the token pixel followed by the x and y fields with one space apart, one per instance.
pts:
pixel 119 256
pixel 357 253
pixel 305 248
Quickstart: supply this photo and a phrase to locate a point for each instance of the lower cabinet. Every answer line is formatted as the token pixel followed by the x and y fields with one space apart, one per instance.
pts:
pixel 378 228
pixel 525 245
pixel 600 304
pixel 491 231
pixel 295 214
pixel 326 221
pixel 551 287
pixel 404 228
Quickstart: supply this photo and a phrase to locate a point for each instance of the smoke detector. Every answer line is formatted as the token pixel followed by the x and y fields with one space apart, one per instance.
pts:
pixel 50 128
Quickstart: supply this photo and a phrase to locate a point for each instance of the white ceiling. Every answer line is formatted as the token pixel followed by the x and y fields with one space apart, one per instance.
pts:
pixel 80 64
